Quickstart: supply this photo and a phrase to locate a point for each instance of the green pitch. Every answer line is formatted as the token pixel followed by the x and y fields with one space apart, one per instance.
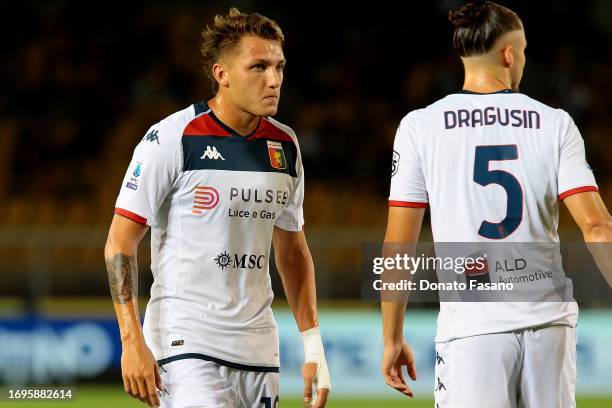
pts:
pixel 113 396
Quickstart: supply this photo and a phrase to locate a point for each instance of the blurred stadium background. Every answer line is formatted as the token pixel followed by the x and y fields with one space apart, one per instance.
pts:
pixel 81 83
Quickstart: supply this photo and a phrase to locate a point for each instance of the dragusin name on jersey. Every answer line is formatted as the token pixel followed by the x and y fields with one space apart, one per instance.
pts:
pixel 492 116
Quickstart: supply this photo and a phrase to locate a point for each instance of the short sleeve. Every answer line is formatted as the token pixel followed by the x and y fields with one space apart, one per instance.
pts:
pixel 292 217
pixel 407 181
pixel 575 175
pixel 155 165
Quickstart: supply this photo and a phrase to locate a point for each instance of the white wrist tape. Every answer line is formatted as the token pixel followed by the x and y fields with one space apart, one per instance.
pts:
pixel 314 353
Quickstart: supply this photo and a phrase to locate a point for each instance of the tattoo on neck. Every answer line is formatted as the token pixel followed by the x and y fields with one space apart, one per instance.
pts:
pixel 122 277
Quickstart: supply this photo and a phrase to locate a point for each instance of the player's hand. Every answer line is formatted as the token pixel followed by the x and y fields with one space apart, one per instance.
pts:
pixel 319 375
pixel 314 370
pixel 140 372
pixel 394 357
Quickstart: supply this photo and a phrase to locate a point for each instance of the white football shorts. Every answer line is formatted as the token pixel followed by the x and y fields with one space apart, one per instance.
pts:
pixel 191 383
pixel 524 368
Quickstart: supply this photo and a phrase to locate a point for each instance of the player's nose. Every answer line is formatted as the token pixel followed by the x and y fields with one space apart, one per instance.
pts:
pixel 274 78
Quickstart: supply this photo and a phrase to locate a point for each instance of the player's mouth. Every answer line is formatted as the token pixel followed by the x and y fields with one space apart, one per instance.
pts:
pixel 271 98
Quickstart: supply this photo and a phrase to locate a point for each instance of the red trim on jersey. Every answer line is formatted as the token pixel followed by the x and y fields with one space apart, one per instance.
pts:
pixel 577 190
pixel 131 216
pixel 412 204
pixel 204 125
pixel 269 131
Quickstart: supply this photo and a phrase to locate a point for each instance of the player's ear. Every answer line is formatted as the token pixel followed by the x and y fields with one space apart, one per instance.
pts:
pixel 507 55
pixel 220 74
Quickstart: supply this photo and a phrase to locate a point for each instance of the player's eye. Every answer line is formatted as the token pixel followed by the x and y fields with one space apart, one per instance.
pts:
pixel 258 67
pixel 280 67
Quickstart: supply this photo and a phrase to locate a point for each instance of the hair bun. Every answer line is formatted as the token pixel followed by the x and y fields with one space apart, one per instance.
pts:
pixel 467 14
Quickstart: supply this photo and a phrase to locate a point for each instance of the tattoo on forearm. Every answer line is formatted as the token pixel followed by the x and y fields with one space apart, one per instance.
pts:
pixel 122 277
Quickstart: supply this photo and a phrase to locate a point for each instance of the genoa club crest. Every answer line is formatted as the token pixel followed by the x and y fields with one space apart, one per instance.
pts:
pixel 277 155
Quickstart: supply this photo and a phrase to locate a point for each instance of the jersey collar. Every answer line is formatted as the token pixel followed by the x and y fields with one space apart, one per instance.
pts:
pixel 229 129
pixel 503 91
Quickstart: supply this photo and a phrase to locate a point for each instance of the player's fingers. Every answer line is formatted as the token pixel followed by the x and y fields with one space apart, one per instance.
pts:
pixel 126 385
pixel 133 387
pixel 400 373
pixel 405 387
pixel 321 399
pixel 396 375
pixel 142 388
pixel 407 391
pixel 309 370
pixel 158 380
pixel 307 391
pixel 394 382
pixel 152 391
pixel 412 370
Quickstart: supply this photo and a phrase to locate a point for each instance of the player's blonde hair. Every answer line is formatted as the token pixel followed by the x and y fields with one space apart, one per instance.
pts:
pixel 225 33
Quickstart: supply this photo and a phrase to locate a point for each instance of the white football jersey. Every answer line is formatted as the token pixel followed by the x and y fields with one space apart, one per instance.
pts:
pixel 492 168
pixel 212 199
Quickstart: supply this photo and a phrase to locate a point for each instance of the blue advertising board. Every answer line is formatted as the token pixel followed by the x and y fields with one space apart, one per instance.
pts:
pixel 63 351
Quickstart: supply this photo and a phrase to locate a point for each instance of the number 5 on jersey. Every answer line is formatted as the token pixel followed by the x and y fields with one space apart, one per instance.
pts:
pixel 514 193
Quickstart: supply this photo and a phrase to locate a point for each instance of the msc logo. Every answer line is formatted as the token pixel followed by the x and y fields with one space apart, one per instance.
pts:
pixel 225 260
pixel 204 198
pixel 211 153
pixel 152 136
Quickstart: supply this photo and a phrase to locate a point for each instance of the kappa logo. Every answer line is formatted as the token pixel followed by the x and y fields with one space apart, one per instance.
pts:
pixel 212 153
pixel 152 136
pixel 440 386
pixel 439 359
